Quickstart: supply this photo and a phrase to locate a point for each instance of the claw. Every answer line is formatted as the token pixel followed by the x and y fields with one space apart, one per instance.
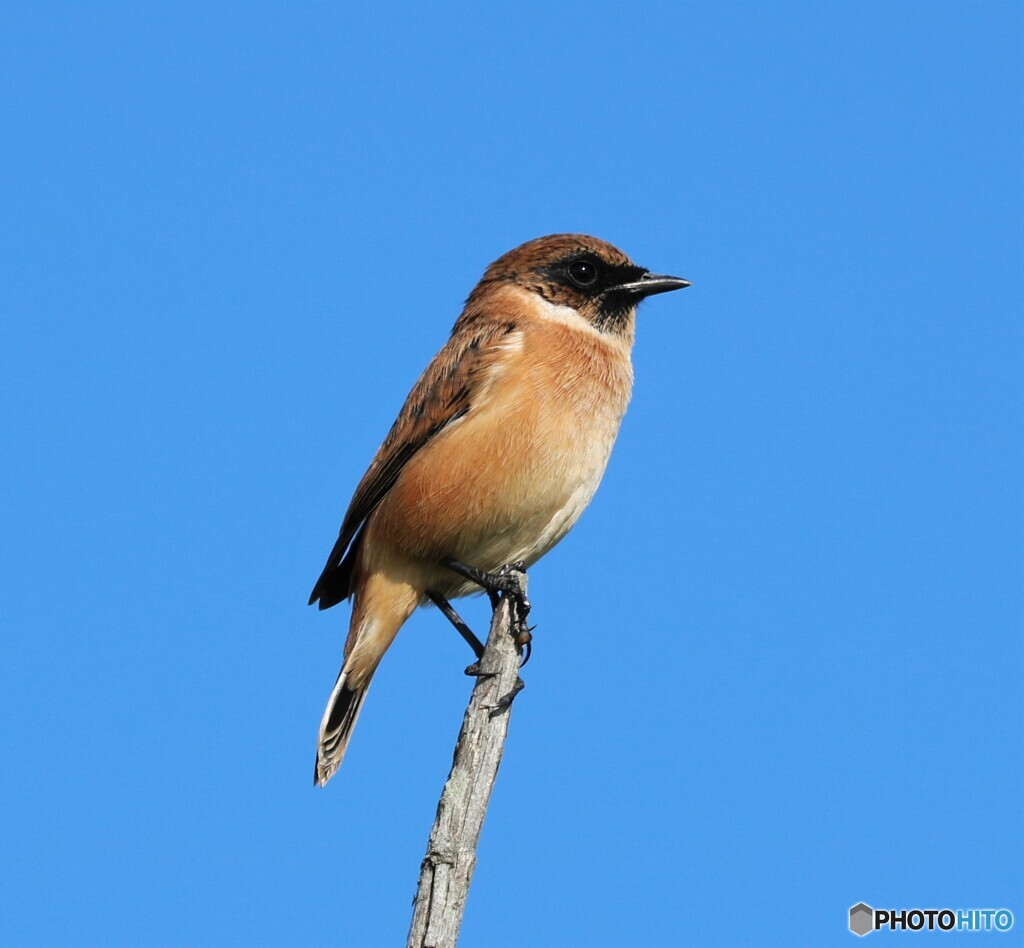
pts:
pixel 506 702
pixel 525 635
pixel 474 671
pixel 503 584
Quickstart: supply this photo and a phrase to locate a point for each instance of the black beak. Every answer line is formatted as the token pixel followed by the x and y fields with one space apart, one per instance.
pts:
pixel 651 283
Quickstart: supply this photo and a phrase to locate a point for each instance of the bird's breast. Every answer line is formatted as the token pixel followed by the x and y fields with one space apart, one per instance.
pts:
pixel 507 481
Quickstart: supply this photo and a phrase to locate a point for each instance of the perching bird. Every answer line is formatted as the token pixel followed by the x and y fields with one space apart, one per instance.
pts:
pixel 498 449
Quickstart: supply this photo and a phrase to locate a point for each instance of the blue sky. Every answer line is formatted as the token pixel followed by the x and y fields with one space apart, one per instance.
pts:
pixel 778 663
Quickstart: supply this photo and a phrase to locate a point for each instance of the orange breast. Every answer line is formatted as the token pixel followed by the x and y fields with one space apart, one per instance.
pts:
pixel 508 480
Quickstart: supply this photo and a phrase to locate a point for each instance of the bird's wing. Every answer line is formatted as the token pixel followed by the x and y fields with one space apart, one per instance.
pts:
pixel 445 392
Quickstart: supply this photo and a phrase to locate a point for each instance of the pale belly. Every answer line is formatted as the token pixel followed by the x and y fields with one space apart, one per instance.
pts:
pixel 540 501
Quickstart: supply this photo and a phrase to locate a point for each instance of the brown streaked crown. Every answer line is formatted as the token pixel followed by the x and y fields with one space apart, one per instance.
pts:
pixel 587 274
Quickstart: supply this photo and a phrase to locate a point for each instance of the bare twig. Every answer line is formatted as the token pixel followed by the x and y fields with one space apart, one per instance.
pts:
pixel 447 869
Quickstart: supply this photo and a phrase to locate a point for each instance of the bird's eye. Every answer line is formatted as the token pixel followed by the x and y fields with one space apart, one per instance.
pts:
pixel 583 272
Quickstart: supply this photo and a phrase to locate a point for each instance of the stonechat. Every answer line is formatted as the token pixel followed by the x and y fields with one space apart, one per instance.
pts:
pixel 495 454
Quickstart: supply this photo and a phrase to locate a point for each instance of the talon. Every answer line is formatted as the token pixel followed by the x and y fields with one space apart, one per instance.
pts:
pixel 506 702
pixel 474 671
pixel 528 648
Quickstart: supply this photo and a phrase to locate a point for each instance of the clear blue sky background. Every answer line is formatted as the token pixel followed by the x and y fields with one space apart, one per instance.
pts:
pixel 778 664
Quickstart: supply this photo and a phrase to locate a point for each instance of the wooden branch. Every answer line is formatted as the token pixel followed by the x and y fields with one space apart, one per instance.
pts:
pixel 447 869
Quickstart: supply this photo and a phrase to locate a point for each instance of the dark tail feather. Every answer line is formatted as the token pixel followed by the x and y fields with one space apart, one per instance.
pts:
pixel 335 582
pixel 336 727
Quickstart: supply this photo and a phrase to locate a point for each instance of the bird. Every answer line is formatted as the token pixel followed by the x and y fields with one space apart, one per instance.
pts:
pixel 495 453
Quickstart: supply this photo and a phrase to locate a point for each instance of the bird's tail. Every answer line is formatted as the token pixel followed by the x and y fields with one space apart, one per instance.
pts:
pixel 339 718
pixel 382 605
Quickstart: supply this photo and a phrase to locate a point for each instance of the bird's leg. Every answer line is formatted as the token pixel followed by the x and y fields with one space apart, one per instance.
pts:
pixel 464 630
pixel 503 582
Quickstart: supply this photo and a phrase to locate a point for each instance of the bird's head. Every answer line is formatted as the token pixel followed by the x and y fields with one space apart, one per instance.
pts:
pixel 585 274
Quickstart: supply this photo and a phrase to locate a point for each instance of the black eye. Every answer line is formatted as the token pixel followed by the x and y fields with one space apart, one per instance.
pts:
pixel 583 272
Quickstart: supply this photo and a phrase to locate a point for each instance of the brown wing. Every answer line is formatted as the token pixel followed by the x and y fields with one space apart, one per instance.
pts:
pixel 444 393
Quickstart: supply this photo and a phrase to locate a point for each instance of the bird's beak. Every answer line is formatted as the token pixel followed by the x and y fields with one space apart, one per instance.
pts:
pixel 651 283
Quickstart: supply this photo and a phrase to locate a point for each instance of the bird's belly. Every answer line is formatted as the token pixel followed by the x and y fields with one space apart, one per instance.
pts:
pixel 534 511
pixel 499 487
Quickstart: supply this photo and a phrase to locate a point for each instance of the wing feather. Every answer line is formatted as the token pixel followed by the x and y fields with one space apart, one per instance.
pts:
pixel 444 393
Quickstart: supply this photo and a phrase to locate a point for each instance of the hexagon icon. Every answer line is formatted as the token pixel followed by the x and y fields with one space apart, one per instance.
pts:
pixel 861 919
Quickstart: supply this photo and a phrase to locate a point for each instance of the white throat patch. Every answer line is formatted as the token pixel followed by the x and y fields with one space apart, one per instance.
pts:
pixel 565 315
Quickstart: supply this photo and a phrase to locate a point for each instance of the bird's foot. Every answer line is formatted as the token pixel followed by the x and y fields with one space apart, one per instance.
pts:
pixel 503 582
pixel 475 671
pixel 524 641
pixel 506 701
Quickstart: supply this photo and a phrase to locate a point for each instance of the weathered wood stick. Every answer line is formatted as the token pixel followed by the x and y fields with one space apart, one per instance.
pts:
pixel 447 868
